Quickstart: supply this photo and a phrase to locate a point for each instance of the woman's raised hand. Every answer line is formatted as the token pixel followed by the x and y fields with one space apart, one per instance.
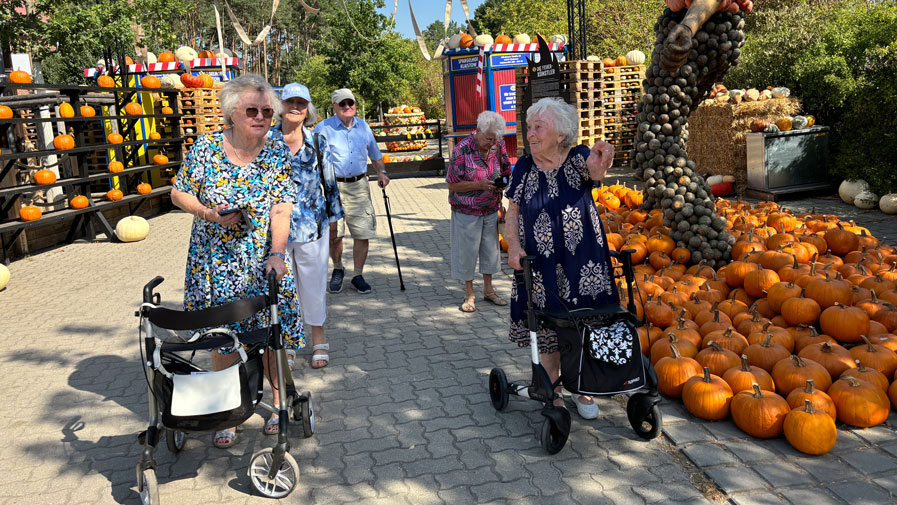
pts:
pixel 600 159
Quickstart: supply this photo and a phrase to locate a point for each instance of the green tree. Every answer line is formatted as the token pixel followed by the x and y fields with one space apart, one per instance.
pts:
pixel 22 28
pixel 433 33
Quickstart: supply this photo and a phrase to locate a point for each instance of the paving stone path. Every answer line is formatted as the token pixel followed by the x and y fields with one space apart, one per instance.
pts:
pixel 403 411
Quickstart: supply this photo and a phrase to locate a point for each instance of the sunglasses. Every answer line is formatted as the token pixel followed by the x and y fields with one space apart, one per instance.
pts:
pixel 347 103
pixel 252 112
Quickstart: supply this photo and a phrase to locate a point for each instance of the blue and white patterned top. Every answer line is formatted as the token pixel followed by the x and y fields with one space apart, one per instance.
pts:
pixel 310 214
pixel 350 147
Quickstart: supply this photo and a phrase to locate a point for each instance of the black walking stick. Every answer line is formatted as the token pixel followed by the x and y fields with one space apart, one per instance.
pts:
pixel 393 236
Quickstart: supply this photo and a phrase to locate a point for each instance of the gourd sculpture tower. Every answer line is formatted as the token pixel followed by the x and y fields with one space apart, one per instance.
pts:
pixel 694 49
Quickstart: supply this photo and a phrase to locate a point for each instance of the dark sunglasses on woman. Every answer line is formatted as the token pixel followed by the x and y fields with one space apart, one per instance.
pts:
pixel 252 112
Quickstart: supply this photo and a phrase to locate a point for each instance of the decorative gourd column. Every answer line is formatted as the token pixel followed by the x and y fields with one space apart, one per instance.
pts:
pixel 694 49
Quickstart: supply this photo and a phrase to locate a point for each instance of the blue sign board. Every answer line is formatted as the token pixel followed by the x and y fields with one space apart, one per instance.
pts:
pixel 507 97
pixel 506 60
pixel 464 63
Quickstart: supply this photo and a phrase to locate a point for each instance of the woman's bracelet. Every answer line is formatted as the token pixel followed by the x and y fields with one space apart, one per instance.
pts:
pixel 278 255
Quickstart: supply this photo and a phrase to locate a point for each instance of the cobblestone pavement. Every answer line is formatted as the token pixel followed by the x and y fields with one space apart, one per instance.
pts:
pixel 403 411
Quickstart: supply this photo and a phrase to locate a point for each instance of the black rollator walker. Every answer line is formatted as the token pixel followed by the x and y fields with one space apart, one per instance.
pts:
pixel 185 398
pixel 600 355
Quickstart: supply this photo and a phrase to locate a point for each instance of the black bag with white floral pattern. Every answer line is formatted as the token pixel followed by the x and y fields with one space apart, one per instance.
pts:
pixel 601 356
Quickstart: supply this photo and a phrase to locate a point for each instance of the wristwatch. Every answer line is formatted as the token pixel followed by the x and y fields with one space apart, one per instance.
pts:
pixel 383 172
pixel 279 255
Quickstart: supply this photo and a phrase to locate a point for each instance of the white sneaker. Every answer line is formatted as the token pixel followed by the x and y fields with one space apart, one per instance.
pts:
pixel 586 411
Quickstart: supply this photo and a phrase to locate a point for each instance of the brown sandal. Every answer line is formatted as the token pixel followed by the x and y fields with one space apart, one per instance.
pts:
pixel 494 299
pixel 467 307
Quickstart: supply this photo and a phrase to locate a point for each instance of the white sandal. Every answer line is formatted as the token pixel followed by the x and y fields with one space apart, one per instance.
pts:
pixel 291 356
pixel 320 357
pixel 586 411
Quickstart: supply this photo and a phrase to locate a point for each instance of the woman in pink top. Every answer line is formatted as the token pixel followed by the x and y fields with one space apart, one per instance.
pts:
pixel 479 169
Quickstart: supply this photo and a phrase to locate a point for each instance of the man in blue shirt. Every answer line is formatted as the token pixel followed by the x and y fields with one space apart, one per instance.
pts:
pixel 351 143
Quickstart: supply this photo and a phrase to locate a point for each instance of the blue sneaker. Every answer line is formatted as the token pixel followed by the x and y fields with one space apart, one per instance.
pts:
pixel 336 280
pixel 361 286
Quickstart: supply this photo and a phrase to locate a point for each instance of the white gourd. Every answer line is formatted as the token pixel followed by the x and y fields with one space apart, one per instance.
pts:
pixel 522 38
pixel 151 57
pixel 185 53
pixel 558 39
pixel 483 40
pixel 866 200
pixel 132 229
pixel 4 276
pixel 888 203
pixel 849 189
pixel 455 41
pixel 635 57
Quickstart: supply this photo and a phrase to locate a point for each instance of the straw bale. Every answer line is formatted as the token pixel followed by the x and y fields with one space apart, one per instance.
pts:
pixel 717 134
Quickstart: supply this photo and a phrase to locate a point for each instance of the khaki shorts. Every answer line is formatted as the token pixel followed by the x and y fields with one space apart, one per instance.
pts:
pixel 355 198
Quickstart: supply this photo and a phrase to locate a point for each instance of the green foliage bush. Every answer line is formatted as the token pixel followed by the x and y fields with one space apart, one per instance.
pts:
pixel 839 58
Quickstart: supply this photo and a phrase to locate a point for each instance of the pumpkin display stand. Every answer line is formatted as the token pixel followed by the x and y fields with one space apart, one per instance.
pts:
pixel 201 109
pixel 717 134
pixel 409 125
pixel 96 177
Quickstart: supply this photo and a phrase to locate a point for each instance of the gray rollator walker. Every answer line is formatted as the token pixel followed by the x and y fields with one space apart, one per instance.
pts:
pixel 184 398
pixel 600 355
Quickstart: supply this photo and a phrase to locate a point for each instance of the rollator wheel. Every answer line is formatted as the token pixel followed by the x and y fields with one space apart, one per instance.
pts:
pixel 498 388
pixel 649 426
pixel 148 486
pixel 175 440
pixel 284 480
pixel 307 415
pixel 553 438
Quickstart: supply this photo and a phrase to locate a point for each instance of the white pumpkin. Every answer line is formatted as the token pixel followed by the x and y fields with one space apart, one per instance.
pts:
pixel 171 81
pixel 132 229
pixel 888 203
pixel 4 276
pixel 635 57
pixel 866 200
pixel 781 92
pixel 592 57
pixel 455 41
pixel 151 57
pixel 765 95
pixel 185 53
pixel 522 38
pixel 849 189
pixel 751 95
pixel 558 39
pixel 484 40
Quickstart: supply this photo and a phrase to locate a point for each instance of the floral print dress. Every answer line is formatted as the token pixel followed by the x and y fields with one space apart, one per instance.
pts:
pixel 228 263
pixel 559 224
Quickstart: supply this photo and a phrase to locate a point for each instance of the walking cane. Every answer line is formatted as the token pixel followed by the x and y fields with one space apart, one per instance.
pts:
pixel 393 236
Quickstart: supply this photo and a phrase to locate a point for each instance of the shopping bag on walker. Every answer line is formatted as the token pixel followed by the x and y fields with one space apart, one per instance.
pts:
pixel 602 357
pixel 202 393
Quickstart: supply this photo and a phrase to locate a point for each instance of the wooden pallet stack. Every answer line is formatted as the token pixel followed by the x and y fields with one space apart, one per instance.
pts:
pixel 605 99
pixel 201 111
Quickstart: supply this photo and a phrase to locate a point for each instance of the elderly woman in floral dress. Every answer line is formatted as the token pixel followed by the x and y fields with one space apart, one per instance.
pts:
pixel 551 215
pixel 240 167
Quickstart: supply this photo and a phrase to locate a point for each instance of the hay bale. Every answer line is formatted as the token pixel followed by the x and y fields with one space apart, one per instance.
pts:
pixel 717 134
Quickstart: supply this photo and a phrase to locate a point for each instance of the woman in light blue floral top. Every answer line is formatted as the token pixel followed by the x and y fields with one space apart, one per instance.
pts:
pixel 318 205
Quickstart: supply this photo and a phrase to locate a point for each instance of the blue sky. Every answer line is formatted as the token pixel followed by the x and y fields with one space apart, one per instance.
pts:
pixel 426 11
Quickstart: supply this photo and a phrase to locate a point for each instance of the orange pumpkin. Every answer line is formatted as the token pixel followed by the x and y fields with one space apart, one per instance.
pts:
pixel 20 77
pixel 167 110
pixel 114 195
pixel 116 167
pixel 165 57
pixel 5 112
pixel 79 202
pixel 115 138
pixel 155 136
pixel 609 62
pixel 66 110
pixel 104 81
pixel 150 81
pixel 129 60
pixel 144 188
pixel 205 54
pixel 502 39
pixel 30 213
pixel 466 40
pixel 88 111
pixel 64 142
pixel 620 61
pixel 133 109
pixel 160 159
pixel 44 177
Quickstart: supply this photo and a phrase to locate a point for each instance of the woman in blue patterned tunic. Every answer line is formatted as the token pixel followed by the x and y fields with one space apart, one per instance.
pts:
pixel 317 206
pixel 551 203
pixel 240 167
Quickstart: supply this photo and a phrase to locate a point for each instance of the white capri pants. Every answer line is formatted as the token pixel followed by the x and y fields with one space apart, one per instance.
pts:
pixel 310 263
pixel 474 237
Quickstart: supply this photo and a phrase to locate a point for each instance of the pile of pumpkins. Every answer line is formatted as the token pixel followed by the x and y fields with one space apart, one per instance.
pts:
pixel 858 193
pixel 783 124
pixel 720 94
pixel 634 57
pixel 795 334
pixel 462 39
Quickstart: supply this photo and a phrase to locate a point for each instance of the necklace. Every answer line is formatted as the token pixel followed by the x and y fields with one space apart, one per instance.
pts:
pixel 234 149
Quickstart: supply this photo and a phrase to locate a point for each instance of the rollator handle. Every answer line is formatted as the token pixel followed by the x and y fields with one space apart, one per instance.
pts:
pixel 148 289
pixel 272 287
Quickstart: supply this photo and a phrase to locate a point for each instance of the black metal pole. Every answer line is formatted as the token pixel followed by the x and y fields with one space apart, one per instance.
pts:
pixel 392 235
